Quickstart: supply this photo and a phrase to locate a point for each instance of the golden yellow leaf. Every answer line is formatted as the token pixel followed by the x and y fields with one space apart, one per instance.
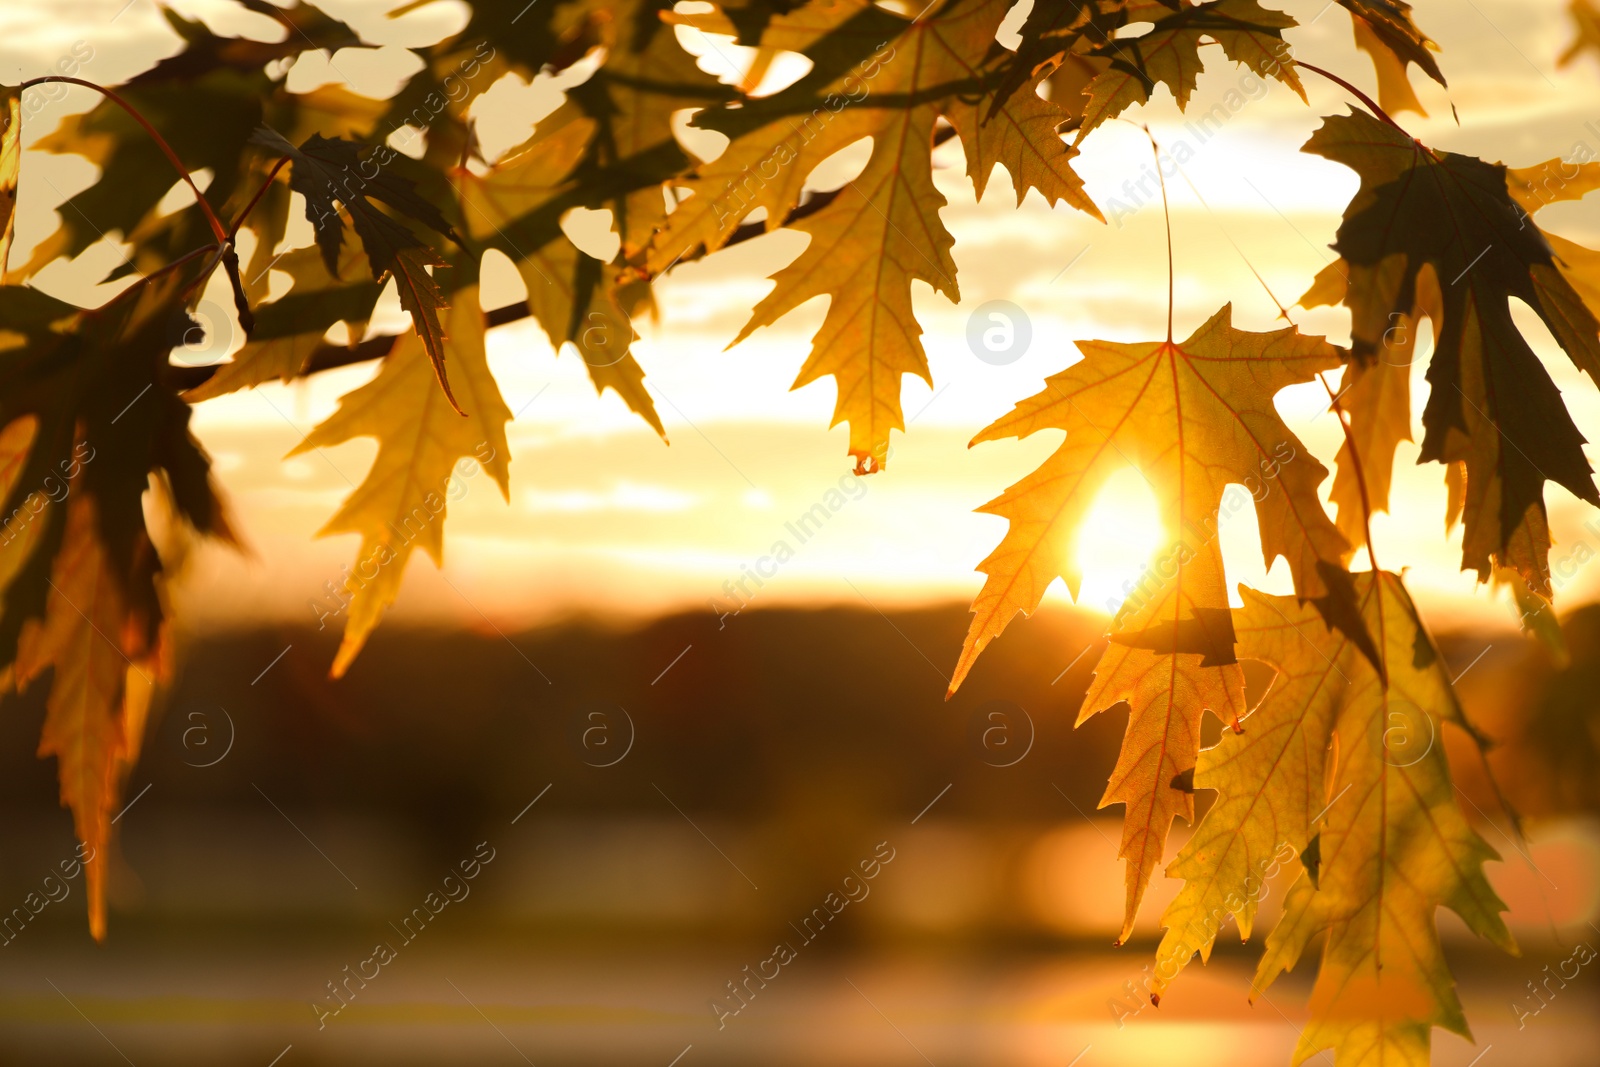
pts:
pixel 1395 94
pixel 1385 31
pixel 404 498
pixel 15 440
pixel 1269 780
pixel 1375 393
pixel 89 428
pixel 1455 488
pixel 333 111
pixel 1192 417
pixel 18 532
pixel 280 359
pixel 1390 845
pixel 1550 182
pixel 73 136
pixel 572 295
pixel 1169 54
pixel 645 78
pixel 104 666
pixel 1167 694
pixel 882 76
pixel 1568 287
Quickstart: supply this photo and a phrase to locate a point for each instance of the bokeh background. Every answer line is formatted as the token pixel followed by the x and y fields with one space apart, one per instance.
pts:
pixel 669 789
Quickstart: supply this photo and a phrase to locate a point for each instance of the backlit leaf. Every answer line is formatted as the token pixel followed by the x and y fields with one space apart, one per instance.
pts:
pixel 1169 53
pixel 879 75
pixel 105 667
pixel 1192 417
pixel 87 423
pixel 325 170
pixel 403 500
pixel 1493 405
pixel 1391 844
pixel 1385 31
pixel 206 99
pixel 571 294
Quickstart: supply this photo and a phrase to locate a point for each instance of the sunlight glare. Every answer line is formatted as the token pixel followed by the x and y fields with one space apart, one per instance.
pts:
pixel 1118 538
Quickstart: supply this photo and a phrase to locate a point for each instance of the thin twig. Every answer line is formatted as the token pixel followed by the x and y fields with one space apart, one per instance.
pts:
pixel 205 206
pixel 1372 105
pixel 256 199
pixel 1355 466
pixel 1155 150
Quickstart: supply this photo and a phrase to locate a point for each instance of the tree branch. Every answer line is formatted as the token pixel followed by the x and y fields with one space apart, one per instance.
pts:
pixel 329 356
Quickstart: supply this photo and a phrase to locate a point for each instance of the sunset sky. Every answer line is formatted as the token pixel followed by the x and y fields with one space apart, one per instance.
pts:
pixel 604 518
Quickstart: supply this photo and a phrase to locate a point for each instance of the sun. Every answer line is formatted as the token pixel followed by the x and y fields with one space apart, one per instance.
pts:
pixel 1118 538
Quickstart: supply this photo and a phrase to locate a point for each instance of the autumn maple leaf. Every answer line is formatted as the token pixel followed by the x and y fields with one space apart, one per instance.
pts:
pixel 1169 53
pixel 1385 31
pixel 1383 844
pixel 325 170
pixel 403 501
pixel 89 426
pixel 645 78
pixel 1441 235
pixel 1192 417
pixel 516 207
pixel 208 98
pixel 880 75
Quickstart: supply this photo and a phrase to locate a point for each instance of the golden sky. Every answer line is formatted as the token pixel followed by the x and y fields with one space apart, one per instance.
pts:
pixel 604 518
